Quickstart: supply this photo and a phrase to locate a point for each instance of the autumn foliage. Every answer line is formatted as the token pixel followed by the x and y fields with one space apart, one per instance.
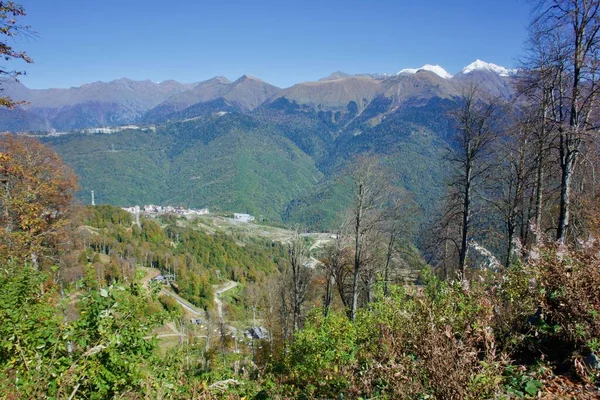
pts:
pixel 36 193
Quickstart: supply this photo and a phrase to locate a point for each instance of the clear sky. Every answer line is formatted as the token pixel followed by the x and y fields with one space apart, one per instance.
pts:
pixel 280 41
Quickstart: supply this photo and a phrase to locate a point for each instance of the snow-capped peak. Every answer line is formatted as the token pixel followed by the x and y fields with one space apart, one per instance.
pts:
pixel 436 69
pixel 482 65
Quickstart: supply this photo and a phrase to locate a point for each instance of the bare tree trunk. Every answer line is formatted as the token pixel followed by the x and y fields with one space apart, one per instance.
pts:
pixel 369 287
pixel 329 293
pixel 476 121
pixel 388 259
pixel 301 274
pixel 354 291
pixel 539 193
pixel 446 242
pixel 565 198
pixel 539 186
pixel 466 219
pixel 357 250
pixel 368 182
pixel 509 250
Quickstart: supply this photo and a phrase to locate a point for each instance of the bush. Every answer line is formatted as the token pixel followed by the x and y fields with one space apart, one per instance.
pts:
pixel 31 349
pixel 322 356
pixel 102 354
pixel 569 314
pixel 170 304
pixel 436 341
pixel 433 342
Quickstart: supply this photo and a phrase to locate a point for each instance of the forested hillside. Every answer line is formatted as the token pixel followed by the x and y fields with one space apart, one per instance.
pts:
pixel 113 246
pixel 273 163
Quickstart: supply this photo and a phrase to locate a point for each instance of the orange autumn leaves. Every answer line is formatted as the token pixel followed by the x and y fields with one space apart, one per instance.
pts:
pixel 36 190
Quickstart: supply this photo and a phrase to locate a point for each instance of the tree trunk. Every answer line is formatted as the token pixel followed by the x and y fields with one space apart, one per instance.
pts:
pixel 329 294
pixel 539 187
pixel 462 262
pixel 296 303
pixel 354 292
pixel 357 249
pixel 388 259
pixel 565 198
pixel 509 250
pixel 539 193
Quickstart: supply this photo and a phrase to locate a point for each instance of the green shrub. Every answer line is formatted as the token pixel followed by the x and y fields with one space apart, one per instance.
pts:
pixel 170 304
pixel 323 354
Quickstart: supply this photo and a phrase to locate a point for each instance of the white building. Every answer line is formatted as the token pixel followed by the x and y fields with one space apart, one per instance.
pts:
pixel 133 210
pixel 243 217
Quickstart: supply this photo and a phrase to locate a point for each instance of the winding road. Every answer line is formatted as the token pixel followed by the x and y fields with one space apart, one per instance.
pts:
pixel 228 286
pixel 192 309
pixel 218 290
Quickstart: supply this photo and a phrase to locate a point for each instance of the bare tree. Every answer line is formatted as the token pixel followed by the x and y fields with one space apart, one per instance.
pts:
pixel 477 124
pixel 573 26
pixel 442 245
pixel 535 88
pixel 395 226
pixel 509 185
pixel 298 256
pixel 372 260
pixel 336 263
pixel 368 190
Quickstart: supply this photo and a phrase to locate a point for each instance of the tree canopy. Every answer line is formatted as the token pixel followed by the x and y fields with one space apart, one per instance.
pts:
pixel 37 190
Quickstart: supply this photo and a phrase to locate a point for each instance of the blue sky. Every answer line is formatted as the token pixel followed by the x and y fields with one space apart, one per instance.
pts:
pixel 282 42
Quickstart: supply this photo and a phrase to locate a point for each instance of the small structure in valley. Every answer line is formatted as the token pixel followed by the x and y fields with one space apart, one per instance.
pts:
pixel 243 217
pixel 161 279
pixel 257 332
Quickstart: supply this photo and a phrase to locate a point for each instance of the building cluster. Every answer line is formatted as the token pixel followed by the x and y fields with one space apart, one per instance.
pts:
pixel 152 209
pixel 115 129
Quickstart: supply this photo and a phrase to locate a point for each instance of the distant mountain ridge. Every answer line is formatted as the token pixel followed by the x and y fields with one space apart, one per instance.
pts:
pixel 125 101
pixel 111 103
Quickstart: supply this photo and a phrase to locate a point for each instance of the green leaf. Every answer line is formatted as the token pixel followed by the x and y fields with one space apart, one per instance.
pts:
pixel 532 387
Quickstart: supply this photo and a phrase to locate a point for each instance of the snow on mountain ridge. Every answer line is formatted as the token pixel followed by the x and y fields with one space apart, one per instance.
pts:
pixel 482 65
pixel 436 69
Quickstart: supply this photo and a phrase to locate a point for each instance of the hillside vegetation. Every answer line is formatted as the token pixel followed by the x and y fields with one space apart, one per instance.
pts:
pixel 280 165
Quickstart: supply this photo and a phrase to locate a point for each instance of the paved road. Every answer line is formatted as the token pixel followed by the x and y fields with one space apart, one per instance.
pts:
pixel 185 304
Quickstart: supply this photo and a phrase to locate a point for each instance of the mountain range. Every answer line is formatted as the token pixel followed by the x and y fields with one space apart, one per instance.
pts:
pixel 125 101
pixel 249 146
